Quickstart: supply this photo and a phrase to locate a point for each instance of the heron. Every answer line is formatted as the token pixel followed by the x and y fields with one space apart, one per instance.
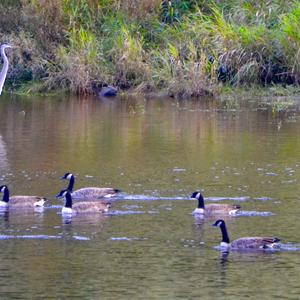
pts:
pixel 5 65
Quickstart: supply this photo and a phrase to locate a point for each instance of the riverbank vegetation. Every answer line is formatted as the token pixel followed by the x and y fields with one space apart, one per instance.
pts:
pixel 187 48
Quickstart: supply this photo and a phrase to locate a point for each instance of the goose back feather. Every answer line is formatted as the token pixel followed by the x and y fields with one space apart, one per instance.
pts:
pixel 94 193
pixel 26 201
pixel 89 192
pixel 91 207
pixel 254 243
pixel 20 201
pixel 82 206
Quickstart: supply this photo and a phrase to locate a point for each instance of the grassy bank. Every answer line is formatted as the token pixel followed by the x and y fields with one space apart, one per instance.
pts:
pixel 188 48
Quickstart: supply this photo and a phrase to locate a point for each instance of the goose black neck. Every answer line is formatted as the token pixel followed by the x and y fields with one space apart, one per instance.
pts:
pixel 225 237
pixel 71 184
pixel 68 200
pixel 5 195
pixel 200 202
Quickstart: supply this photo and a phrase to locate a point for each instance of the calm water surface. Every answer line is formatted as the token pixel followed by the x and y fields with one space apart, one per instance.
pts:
pixel 158 152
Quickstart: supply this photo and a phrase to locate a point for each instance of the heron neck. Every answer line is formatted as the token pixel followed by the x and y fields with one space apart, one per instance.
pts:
pixel 68 200
pixel 201 202
pixel 5 196
pixel 5 60
pixel 225 237
pixel 71 184
pixel 4 69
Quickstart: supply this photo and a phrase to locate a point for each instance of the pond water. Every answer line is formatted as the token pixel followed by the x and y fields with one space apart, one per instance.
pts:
pixel 158 151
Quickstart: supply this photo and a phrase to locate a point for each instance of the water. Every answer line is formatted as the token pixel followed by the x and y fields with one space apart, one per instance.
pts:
pixel 158 152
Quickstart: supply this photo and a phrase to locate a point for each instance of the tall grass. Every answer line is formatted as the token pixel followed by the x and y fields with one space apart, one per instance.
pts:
pixel 189 48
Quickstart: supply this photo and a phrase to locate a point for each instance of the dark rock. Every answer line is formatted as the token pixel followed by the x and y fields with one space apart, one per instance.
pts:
pixel 108 91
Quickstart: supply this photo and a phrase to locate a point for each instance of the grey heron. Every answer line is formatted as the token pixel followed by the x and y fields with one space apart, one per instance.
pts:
pixel 5 65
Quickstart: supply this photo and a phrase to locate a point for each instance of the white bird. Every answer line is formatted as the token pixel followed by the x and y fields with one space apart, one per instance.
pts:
pixel 5 65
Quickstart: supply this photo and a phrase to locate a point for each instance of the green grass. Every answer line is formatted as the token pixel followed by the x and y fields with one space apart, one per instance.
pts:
pixel 176 46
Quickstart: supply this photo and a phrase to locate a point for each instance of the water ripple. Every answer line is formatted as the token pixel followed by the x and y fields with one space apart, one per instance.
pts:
pixel 152 198
pixel 81 238
pixel 290 247
pixel 124 212
pixel 245 213
pixel 40 237
pixel 124 238
pixel 283 247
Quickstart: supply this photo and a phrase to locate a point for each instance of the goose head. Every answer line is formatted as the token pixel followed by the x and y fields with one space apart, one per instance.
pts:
pixel 219 223
pixel 67 176
pixel 5 199
pixel 62 193
pixel 68 200
pixel 3 188
pixel 200 208
pixel 196 195
pixel 225 243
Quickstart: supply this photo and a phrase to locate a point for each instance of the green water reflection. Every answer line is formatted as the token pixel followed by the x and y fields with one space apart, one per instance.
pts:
pixel 148 148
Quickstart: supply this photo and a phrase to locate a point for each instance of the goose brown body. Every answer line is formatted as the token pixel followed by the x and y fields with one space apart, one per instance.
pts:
pixel 82 206
pixel 89 192
pixel 90 207
pixel 24 201
pixel 254 242
pixel 20 201
pixel 221 208
pixel 214 208
pixel 94 193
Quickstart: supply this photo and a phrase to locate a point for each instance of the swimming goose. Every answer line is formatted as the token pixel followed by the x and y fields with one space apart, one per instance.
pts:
pixel 20 201
pixel 213 208
pixel 82 207
pixel 88 192
pixel 246 243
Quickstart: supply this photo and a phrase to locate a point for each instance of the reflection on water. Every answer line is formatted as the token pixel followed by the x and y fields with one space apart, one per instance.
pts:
pixel 149 246
pixel 4 167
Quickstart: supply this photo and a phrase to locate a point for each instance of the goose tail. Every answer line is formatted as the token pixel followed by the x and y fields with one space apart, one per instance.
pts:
pixel 40 202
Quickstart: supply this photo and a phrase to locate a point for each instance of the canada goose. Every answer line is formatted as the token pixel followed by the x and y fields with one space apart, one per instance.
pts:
pixel 88 192
pixel 213 208
pixel 246 243
pixel 20 201
pixel 82 207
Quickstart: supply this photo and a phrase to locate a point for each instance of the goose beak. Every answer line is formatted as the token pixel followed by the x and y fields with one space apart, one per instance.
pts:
pixel 58 196
pixel 62 178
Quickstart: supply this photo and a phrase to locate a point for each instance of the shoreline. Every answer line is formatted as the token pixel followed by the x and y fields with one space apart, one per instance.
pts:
pixel 187 48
